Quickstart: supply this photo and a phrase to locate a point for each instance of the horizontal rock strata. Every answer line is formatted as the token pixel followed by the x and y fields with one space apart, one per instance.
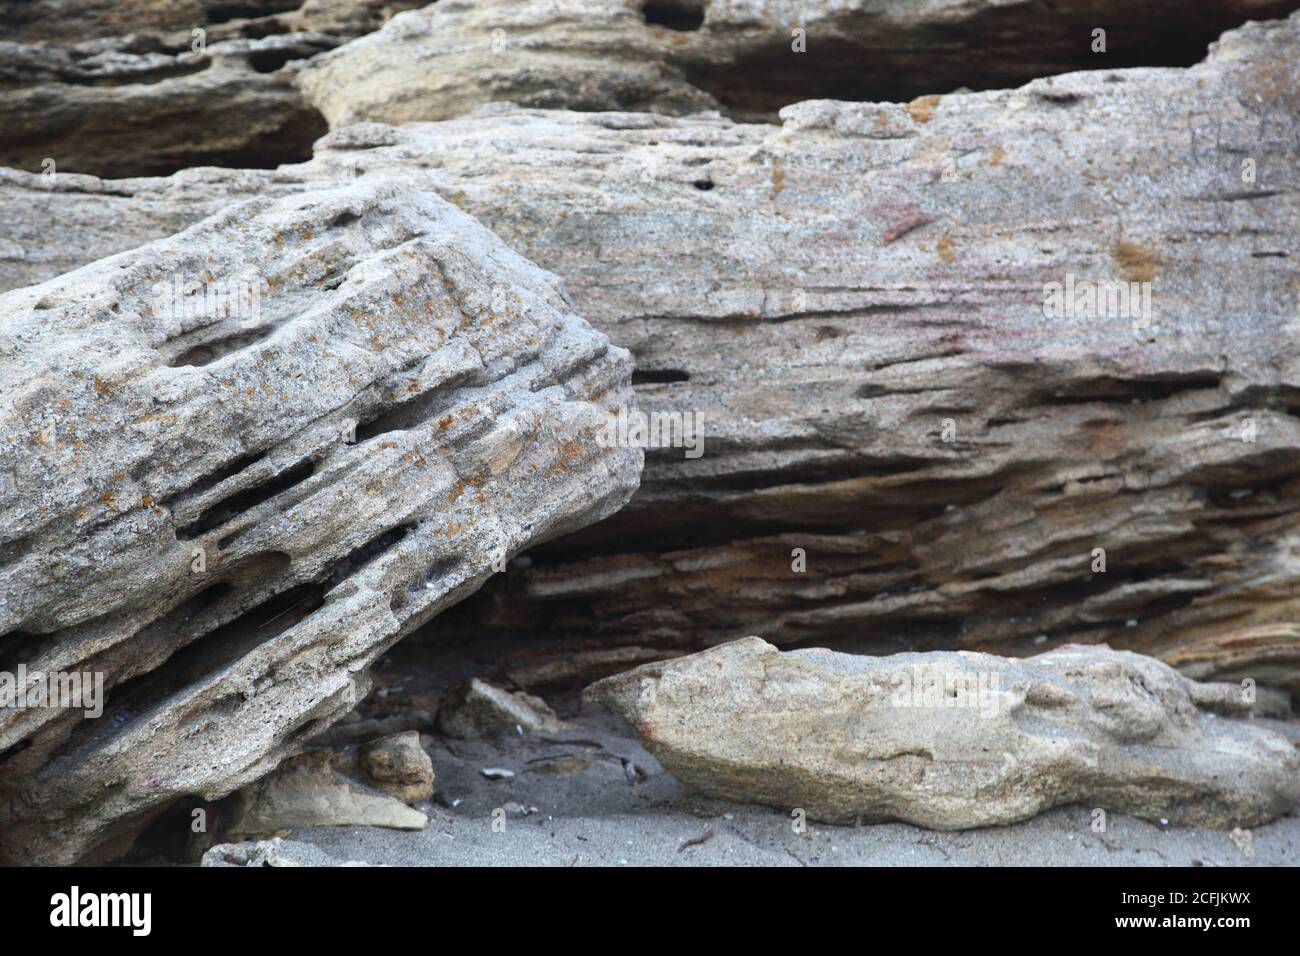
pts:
pixel 956 740
pixel 151 86
pixel 750 57
pixel 832 293
pixel 241 462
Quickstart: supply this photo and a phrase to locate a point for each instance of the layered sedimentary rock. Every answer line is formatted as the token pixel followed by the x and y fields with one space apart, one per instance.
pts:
pixel 71 21
pixel 240 463
pixel 139 108
pixel 854 302
pixel 750 57
pixel 956 740
pixel 152 86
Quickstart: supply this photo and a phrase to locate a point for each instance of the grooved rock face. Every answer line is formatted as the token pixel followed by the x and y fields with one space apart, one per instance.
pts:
pixel 956 740
pixel 144 87
pixel 750 57
pixel 830 293
pixel 241 462
pixel 139 108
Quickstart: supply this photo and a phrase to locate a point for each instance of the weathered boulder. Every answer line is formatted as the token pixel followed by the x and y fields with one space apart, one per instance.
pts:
pixel 956 740
pixel 134 108
pixel 837 296
pixel 750 57
pixel 240 463
pixel 72 21
pixel 151 86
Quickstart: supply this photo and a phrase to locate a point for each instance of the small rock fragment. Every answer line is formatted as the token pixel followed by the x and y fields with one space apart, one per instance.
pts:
pixel 1245 842
pixel 273 852
pixel 476 708
pixel 308 791
pixel 399 766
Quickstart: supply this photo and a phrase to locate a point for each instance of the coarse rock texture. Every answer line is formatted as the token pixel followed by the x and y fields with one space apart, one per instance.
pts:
pixel 305 791
pixel 750 57
pixel 952 741
pixel 397 765
pixel 231 506
pixel 830 294
pixel 592 795
pixel 136 110
pixel 476 708
pixel 148 87
pixel 273 852
pixel 72 21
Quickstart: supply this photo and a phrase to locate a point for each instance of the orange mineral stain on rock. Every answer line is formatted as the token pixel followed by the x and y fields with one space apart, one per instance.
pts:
pixel 922 108
pixel 1137 262
pixel 944 247
pixel 997 155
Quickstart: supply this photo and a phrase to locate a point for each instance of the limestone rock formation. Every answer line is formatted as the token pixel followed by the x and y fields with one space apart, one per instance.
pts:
pixel 750 57
pixel 137 108
pixel 240 463
pixel 150 86
pixel 956 740
pixel 853 301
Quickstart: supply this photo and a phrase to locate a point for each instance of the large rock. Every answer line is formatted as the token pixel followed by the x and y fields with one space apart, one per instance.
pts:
pixel 242 462
pixel 71 21
pixel 748 56
pixel 136 109
pixel 956 740
pixel 831 293
pixel 151 86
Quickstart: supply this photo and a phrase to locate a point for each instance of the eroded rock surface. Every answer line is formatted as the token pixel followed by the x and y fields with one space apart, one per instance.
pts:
pixel 242 462
pixel 151 86
pixel 750 57
pixel 832 293
pixel 956 740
